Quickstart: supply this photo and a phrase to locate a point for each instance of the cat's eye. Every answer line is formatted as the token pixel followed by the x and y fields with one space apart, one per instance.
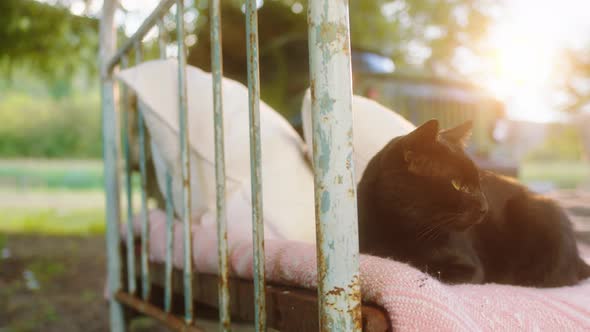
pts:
pixel 459 186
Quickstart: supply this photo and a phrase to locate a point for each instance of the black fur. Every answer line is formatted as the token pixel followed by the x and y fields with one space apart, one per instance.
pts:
pixel 422 201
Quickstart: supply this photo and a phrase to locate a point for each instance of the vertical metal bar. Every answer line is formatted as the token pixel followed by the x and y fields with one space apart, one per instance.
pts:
pixel 169 207
pixel 217 71
pixel 169 244
pixel 131 284
pixel 255 167
pixel 161 38
pixel 145 269
pixel 335 192
pixel 185 161
pixel 110 156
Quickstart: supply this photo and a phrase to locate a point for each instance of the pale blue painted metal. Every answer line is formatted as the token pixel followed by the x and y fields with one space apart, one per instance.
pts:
pixel 168 199
pixel 169 244
pixel 255 167
pixel 131 283
pixel 217 71
pixel 143 29
pixel 145 269
pixel 161 38
pixel 185 161
pixel 110 157
pixel 335 194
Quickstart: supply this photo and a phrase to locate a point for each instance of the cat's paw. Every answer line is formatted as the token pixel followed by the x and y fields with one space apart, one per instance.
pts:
pixel 461 274
pixel 457 271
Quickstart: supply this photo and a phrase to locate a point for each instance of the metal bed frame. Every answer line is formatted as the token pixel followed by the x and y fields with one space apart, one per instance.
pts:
pixel 149 287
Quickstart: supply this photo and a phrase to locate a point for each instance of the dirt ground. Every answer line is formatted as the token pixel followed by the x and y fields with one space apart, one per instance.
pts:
pixel 52 283
pixel 55 283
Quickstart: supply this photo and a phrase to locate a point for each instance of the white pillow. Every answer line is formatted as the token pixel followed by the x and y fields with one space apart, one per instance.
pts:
pixel 373 126
pixel 287 180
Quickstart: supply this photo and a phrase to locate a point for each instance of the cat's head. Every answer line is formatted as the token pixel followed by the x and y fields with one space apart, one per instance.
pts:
pixel 427 176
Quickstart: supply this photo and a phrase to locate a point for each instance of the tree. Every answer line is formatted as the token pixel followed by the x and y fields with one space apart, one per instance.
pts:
pixel 398 29
pixel 47 39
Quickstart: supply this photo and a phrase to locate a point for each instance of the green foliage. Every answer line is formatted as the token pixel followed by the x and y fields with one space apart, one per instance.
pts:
pixel 391 28
pixel 572 80
pixel 562 143
pixel 400 28
pixel 563 174
pixel 48 128
pixel 47 39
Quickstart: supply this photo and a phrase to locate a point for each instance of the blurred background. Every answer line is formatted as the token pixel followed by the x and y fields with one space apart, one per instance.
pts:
pixel 520 69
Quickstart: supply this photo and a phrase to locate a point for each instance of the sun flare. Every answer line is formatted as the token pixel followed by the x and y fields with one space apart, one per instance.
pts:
pixel 519 60
pixel 522 53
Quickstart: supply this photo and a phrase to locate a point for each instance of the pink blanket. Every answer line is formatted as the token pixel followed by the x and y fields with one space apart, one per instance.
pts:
pixel 413 300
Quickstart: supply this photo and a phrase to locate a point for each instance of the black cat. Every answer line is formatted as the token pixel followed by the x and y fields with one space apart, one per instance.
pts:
pixel 423 201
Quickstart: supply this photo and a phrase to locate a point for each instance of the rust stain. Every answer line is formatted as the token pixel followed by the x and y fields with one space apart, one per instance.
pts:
pixel 355 295
pixel 336 291
pixel 346 42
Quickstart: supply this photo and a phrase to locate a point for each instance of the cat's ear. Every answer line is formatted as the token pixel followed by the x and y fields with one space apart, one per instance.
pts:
pixel 458 135
pixel 424 135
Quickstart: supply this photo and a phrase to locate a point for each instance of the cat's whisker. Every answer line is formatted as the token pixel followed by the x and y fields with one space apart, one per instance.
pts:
pixel 432 230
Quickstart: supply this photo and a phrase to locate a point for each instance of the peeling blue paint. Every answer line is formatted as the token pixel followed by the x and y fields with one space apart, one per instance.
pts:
pixel 325 202
pixel 326 103
pixel 323 148
pixel 336 220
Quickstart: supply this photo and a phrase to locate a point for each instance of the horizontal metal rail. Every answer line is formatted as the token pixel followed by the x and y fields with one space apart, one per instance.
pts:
pixel 144 28
pixel 151 310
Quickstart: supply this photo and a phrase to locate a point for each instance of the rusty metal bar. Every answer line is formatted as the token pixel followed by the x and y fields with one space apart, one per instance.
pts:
pixel 131 282
pixel 217 72
pixel 169 244
pixel 110 156
pixel 255 167
pixel 335 191
pixel 143 29
pixel 169 207
pixel 145 270
pixel 151 310
pixel 185 161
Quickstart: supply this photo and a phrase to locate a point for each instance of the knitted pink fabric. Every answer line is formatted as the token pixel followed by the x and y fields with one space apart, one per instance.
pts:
pixel 413 300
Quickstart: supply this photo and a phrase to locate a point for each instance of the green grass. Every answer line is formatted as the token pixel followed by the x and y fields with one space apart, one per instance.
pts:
pixel 53 174
pixel 52 221
pixel 564 174
pixel 65 196
pixel 48 174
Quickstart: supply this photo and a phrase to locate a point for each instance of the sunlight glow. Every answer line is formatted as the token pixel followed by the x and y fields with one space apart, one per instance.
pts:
pixel 519 60
pixel 521 53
